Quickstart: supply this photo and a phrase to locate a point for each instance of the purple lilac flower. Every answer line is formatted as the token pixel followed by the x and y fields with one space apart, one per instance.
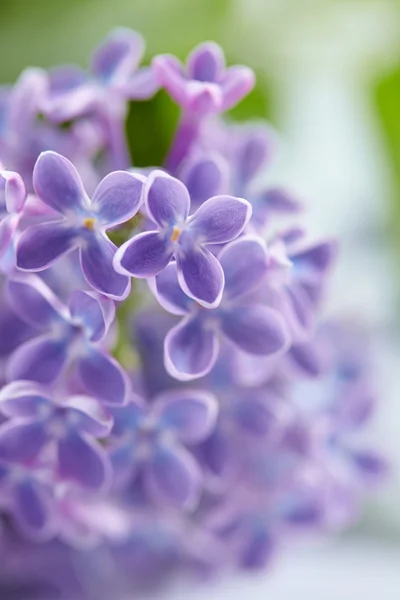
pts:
pixel 12 200
pixel 154 438
pixel 203 87
pixel 71 425
pixel 204 84
pixel 114 78
pixel 219 220
pixel 66 336
pixel 83 222
pixel 192 347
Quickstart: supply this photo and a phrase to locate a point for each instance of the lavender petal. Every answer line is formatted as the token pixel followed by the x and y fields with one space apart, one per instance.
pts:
pixel 190 350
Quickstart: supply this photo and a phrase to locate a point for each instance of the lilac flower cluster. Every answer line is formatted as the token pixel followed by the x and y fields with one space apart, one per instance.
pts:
pixel 168 401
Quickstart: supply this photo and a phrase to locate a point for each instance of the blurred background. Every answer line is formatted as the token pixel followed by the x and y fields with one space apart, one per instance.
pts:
pixel 329 80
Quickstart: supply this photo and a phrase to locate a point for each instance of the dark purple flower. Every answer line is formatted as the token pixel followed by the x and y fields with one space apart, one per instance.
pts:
pixel 83 223
pixel 192 347
pixel 219 220
pixel 153 438
pixel 68 336
pixel 204 84
pixel 12 200
pixel 37 420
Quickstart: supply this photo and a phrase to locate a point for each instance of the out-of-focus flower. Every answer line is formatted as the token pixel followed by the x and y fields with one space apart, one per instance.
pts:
pixel 66 336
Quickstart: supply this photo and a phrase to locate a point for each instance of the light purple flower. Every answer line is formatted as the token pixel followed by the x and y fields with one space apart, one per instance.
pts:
pixel 67 336
pixel 192 347
pixel 205 175
pixel 114 73
pixel 219 220
pixel 12 200
pixel 204 85
pixel 83 222
pixel 71 426
pixel 153 438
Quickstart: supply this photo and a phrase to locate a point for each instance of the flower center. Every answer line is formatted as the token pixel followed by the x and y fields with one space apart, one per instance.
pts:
pixel 176 232
pixel 89 223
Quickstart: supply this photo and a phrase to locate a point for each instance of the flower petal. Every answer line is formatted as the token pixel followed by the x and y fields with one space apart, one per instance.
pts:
pixel 169 73
pixel 145 255
pixel 257 549
pixel 25 100
pixel 257 144
pixel 173 477
pixel 206 62
pixel 169 293
pixel 117 197
pixel 41 245
pixel 118 55
pixel 256 329
pixel 206 177
pixel 89 416
pixel 103 377
pixel 95 313
pixel 236 84
pixel 190 349
pixel 190 414
pixel 8 225
pixel 58 184
pixel 70 95
pixel 97 266
pixel 167 199
pixel 142 85
pixel 41 359
pixel 23 399
pixel 21 441
pixel 32 507
pixel 372 466
pixel 15 192
pixel 220 219
pixel 200 275
pixel 83 461
pixel 34 302
pixel 245 264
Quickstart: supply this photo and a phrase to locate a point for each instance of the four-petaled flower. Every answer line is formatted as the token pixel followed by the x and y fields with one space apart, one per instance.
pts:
pixel 152 438
pixel 67 336
pixel 83 222
pixel 219 220
pixel 70 426
pixel 204 85
pixel 192 347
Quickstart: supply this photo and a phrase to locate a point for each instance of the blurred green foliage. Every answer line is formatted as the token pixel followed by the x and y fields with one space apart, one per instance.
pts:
pixel 387 98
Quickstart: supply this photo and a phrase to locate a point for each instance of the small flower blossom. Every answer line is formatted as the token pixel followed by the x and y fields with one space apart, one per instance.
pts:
pixel 83 223
pixel 66 336
pixel 204 85
pixel 219 220
pixel 154 438
pixel 71 425
pixel 114 73
pixel 192 346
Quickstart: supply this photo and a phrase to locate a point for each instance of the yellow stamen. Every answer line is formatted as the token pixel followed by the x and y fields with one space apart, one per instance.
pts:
pixel 89 223
pixel 175 234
